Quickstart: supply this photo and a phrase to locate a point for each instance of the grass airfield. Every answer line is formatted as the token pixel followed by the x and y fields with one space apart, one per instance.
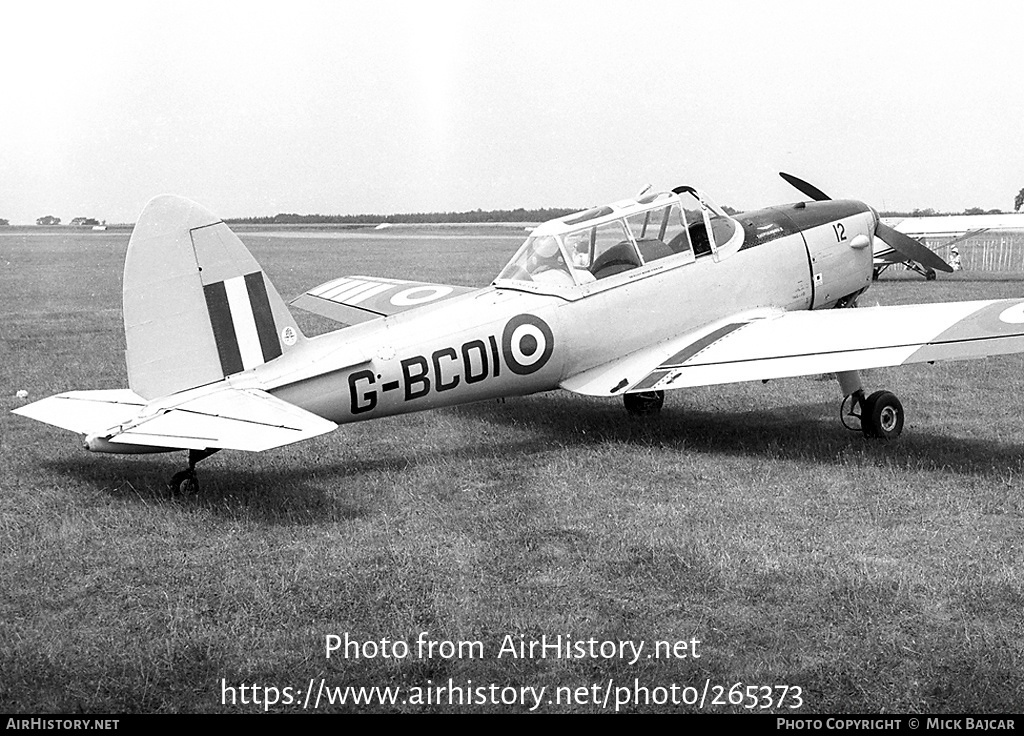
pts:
pixel 877 577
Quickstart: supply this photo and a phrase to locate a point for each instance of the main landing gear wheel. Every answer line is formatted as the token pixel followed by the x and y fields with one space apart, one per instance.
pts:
pixel 644 403
pixel 185 482
pixel 881 415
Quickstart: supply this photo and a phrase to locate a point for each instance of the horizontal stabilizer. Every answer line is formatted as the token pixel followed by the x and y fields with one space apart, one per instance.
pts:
pixel 234 419
pixel 85 411
pixel 354 299
pixel 225 417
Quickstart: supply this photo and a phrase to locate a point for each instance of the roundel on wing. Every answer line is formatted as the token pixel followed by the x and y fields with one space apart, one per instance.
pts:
pixel 526 344
pixel 1013 315
pixel 420 295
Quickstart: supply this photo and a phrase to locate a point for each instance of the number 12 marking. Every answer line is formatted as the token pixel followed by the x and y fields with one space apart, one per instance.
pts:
pixel 840 232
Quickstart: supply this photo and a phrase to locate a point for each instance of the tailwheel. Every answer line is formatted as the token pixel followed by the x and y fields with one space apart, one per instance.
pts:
pixel 882 415
pixel 185 482
pixel 644 403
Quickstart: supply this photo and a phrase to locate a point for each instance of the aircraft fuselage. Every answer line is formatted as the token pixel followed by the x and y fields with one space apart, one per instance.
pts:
pixel 501 341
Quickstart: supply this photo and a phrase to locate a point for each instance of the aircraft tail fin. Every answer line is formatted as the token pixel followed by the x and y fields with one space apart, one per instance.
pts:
pixel 197 305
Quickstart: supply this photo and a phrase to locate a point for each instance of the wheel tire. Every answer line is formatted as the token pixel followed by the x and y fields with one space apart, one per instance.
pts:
pixel 644 403
pixel 882 416
pixel 184 483
pixel 929 275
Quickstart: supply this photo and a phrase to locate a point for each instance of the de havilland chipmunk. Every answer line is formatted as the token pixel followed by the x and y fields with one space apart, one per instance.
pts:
pixel 664 291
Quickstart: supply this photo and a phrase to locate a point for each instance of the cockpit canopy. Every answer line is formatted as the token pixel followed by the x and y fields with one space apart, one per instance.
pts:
pixel 604 241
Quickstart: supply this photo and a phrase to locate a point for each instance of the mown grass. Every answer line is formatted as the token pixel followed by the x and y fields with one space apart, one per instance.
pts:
pixel 879 577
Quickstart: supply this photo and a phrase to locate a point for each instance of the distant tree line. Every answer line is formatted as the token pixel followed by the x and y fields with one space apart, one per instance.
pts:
pixel 4 222
pixel 517 215
pixel 475 216
pixel 930 212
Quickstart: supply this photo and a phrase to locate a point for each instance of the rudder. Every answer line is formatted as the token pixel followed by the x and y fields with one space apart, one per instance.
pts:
pixel 197 305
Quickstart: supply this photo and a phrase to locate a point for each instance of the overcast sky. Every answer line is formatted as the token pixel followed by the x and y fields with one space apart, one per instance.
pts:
pixel 346 107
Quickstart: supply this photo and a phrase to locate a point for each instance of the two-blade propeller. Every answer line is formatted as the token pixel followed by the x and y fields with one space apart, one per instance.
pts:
pixel 903 244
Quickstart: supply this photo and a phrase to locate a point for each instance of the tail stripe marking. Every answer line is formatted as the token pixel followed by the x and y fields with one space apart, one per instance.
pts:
pixel 245 324
pixel 264 316
pixel 223 328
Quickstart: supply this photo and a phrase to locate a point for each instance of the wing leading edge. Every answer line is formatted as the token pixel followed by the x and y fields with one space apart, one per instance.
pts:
pixel 766 345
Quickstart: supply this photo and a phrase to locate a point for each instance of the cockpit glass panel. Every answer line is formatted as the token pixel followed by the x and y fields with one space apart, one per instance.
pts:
pixel 660 232
pixel 676 236
pixel 696 225
pixel 578 246
pixel 540 260
pixel 601 251
pixel 722 228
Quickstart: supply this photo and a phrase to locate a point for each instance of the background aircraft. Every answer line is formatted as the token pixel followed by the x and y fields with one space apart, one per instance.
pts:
pixel 957 228
pixel 630 299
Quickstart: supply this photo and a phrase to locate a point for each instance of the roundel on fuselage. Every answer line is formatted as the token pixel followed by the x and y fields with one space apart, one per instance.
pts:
pixel 526 344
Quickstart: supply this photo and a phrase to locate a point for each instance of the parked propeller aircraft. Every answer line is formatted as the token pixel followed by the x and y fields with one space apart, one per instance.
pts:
pixel 661 292
pixel 957 228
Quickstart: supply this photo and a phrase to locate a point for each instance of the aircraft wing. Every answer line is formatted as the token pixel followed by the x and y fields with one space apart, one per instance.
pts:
pixel 954 225
pixel 764 345
pixel 227 417
pixel 354 299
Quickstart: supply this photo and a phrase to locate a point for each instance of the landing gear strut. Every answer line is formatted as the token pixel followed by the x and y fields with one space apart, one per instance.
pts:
pixel 185 483
pixel 880 414
pixel 644 403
